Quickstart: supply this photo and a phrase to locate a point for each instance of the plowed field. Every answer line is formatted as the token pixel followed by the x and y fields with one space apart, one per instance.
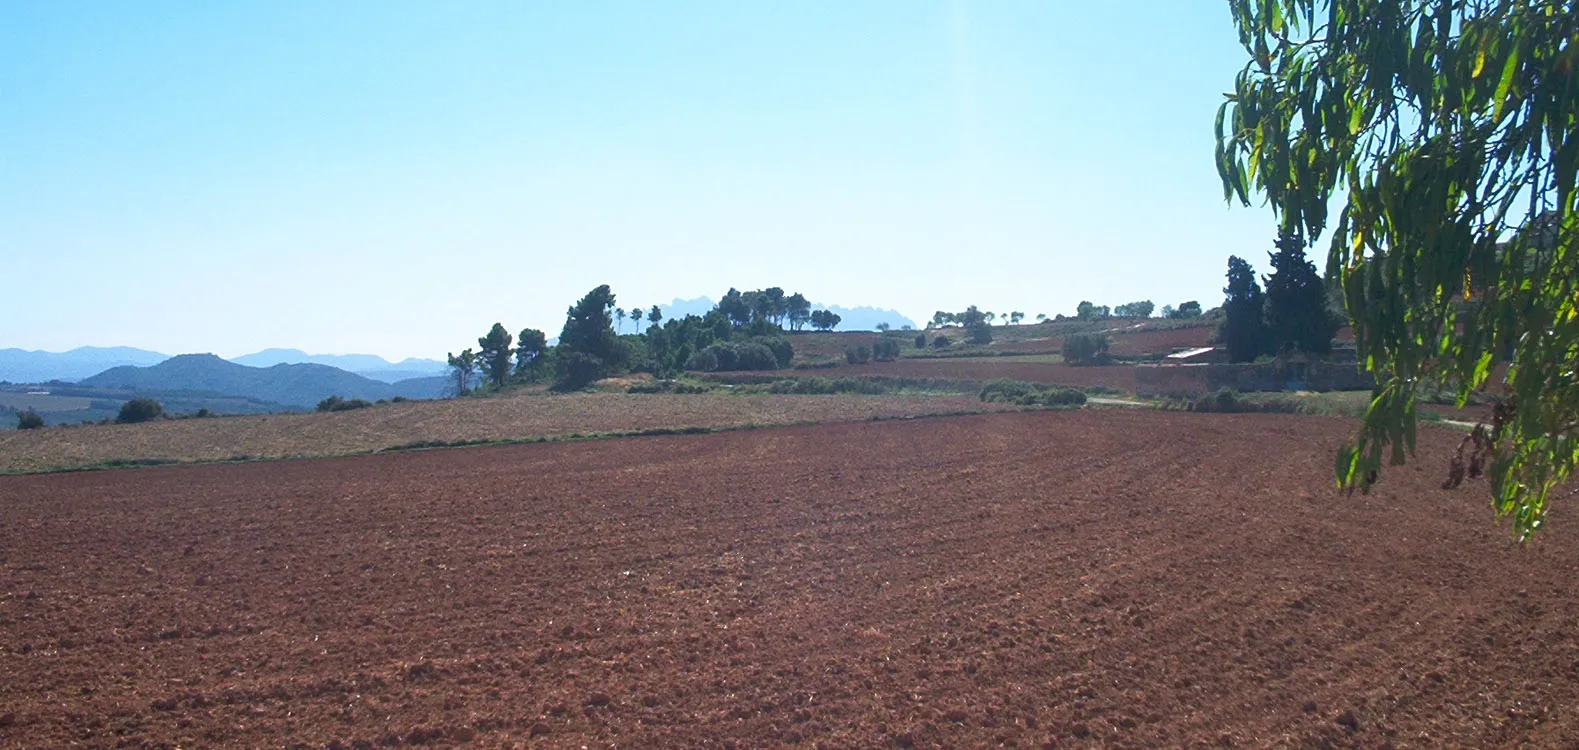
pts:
pixel 1066 579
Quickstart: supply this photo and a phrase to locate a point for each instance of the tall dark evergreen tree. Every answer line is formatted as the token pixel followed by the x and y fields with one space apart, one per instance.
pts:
pixel 775 304
pixel 798 310
pixel 529 349
pixel 760 305
pixel 735 307
pixel 589 334
pixel 1244 328
pixel 1297 316
pixel 493 353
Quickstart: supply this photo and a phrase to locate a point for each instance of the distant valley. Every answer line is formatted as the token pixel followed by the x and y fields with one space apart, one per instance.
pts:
pixel 188 383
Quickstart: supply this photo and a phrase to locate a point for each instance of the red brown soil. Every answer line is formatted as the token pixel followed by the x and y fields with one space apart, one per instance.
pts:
pixel 1065 579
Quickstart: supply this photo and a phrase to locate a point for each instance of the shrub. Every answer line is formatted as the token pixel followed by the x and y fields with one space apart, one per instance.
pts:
pixel 753 356
pixel 139 410
pixel 726 356
pixel 702 361
pixel 1007 391
pixel 827 386
pixel 1030 394
pixel 783 351
pixel 28 420
pixel 399 400
pixel 203 413
pixel 1062 397
pixel 731 357
pixel 667 386
pixel 578 370
pixel 335 403
pixel 885 350
pixel 858 354
pixel 1086 349
pixel 921 341
pixel 941 342
pixel 1228 401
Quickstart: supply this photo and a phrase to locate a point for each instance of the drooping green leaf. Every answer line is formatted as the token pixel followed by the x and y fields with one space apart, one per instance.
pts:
pixel 1455 240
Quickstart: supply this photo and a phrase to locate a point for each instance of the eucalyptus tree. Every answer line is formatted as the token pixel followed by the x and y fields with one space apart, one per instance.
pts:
pixel 1445 132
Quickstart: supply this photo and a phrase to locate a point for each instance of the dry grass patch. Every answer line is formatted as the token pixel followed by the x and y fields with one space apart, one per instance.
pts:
pixel 465 420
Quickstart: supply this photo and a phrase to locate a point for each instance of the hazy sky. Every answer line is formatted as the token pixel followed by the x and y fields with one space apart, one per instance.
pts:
pixel 392 178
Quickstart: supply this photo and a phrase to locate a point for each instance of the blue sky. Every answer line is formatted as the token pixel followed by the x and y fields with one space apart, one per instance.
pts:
pixel 394 177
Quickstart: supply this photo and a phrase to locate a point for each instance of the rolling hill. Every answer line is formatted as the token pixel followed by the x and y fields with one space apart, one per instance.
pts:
pixel 296 385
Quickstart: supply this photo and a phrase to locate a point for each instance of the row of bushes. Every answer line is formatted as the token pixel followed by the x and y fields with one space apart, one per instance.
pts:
pixel 336 403
pixel 882 350
pixel 1229 401
pixel 1031 394
pixel 757 354
pixel 829 386
pixel 668 386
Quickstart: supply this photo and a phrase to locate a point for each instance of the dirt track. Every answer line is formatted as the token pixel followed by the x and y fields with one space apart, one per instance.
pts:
pixel 1129 579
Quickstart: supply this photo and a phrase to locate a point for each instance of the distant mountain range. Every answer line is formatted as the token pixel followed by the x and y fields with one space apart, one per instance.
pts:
pixel 293 385
pixel 20 366
pixel 865 318
pixel 850 318
pixel 86 363
pixel 366 365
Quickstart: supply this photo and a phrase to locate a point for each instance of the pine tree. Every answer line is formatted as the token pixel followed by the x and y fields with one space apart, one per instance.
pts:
pixel 493 354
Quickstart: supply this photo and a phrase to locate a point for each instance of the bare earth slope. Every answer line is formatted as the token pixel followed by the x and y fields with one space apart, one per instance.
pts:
pixel 475 420
pixel 1128 579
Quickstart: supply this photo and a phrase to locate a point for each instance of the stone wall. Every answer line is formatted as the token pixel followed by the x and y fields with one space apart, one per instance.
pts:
pixel 1245 378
